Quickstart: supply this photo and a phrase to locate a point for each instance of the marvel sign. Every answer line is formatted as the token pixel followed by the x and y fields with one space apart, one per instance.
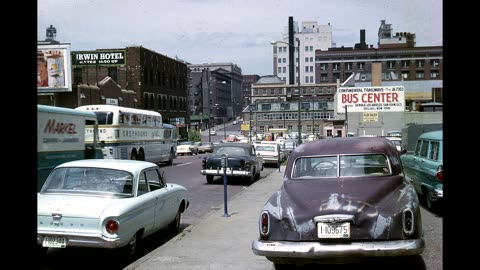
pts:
pixel 367 99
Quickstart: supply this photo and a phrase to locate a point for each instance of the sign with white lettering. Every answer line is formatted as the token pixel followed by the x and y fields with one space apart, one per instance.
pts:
pixel 368 99
pixel 99 58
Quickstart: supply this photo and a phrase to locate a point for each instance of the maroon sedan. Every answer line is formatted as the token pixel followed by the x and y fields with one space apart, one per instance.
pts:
pixel 342 199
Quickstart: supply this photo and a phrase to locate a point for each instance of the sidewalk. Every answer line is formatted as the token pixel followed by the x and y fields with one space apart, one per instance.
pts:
pixel 217 242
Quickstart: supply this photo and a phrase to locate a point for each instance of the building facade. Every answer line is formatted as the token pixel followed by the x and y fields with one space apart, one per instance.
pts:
pixel 132 77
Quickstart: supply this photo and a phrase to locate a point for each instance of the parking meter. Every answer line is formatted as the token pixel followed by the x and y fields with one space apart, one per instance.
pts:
pixel 224 165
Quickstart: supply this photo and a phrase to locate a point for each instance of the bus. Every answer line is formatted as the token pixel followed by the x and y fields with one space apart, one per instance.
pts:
pixel 61 137
pixel 128 133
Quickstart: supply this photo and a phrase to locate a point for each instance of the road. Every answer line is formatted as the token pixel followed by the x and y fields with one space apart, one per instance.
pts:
pixel 203 199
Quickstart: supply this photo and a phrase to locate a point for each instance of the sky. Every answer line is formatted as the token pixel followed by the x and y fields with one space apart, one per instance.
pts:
pixel 236 31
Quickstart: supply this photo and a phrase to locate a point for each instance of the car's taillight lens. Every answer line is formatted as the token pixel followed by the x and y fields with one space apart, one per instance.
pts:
pixel 408 222
pixel 112 226
pixel 204 163
pixel 440 173
pixel 264 223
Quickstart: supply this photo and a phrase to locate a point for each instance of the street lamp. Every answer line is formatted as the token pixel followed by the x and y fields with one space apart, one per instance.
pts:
pixel 299 120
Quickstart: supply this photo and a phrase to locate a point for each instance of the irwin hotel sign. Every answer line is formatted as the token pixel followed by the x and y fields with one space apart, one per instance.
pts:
pixel 100 58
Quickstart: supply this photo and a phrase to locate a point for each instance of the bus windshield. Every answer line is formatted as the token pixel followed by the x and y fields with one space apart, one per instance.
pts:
pixel 104 118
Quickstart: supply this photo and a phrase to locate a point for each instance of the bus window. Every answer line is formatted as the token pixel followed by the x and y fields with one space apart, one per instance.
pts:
pixel 104 118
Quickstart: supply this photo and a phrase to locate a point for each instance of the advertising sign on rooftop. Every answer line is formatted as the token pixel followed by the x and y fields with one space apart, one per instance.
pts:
pixel 53 68
pixel 368 99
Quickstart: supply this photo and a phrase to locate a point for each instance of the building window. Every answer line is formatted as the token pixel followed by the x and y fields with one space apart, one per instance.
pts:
pixel 279 60
pixel 311 48
pixel 311 68
pixel 419 75
pixel 289 91
pixel 255 92
pixel 279 70
pixel 311 79
pixel 305 106
pixel 329 91
pixel 420 64
pixel 311 59
pixel 348 66
pixel 284 60
pixel 323 67
pixel 272 92
pixel 306 68
pixel 405 74
pixel 336 76
pixel 306 59
pixel 323 77
pixel 361 65
pixel 304 90
pixel 112 72
pixel 434 74
pixel 266 107
pixel 434 63
pixel 284 70
pixel 336 66
pixel 390 64
pixel 405 64
pixel 264 92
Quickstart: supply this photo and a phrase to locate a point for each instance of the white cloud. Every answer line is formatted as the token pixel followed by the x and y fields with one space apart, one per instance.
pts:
pixel 237 31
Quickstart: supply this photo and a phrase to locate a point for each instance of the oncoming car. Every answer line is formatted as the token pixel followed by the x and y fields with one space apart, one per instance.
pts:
pixel 111 204
pixel 341 200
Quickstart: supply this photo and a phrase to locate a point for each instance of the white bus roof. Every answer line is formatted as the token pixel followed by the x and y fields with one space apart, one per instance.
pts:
pixel 62 110
pixel 113 108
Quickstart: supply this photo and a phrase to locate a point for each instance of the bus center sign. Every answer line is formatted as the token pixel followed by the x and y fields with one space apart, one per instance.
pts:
pixel 371 99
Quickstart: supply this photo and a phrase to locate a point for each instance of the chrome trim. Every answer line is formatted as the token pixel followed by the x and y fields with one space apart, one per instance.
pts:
pixel 335 218
pixel 218 172
pixel 316 250
pixel 95 240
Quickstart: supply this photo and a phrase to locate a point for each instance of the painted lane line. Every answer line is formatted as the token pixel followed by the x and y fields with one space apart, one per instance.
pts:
pixel 183 164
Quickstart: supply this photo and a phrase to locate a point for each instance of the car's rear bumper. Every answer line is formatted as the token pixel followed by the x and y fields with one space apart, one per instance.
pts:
pixel 229 172
pixel 82 240
pixel 316 250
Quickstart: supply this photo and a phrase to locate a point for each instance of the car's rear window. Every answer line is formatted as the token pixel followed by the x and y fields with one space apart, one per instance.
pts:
pixel 81 180
pixel 350 165
pixel 269 148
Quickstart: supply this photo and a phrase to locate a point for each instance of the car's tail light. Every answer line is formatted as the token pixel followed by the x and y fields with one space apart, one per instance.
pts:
pixel 408 222
pixel 112 226
pixel 264 223
pixel 204 163
pixel 440 173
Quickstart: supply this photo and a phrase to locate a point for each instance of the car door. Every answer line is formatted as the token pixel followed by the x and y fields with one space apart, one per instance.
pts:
pixel 429 164
pixel 414 164
pixel 164 208
pixel 146 204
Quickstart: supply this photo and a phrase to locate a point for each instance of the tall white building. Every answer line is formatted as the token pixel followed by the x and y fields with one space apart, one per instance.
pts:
pixel 312 37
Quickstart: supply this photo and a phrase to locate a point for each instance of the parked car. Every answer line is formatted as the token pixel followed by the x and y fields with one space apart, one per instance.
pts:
pixel 242 162
pixel 270 153
pixel 341 200
pixel 205 147
pixel 106 203
pixel 187 148
pixel 424 167
pixel 290 145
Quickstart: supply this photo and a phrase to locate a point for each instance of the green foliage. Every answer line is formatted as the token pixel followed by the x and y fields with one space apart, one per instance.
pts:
pixel 194 135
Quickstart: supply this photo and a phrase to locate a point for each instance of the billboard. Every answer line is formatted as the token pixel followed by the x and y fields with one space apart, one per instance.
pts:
pixel 99 58
pixel 368 99
pixel 53 68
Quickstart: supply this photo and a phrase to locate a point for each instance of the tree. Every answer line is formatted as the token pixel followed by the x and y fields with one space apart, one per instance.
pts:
pixel 194 136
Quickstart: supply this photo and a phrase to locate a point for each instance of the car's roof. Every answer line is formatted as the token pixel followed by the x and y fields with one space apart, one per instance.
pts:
pixel 116 164
pixel 348 145
pixel 436 135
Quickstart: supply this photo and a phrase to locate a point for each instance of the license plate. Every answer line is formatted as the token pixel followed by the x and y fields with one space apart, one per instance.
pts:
pixel 333 230
pixel 54 242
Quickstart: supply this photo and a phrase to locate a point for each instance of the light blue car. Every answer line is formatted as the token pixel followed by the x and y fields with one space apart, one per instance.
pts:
pixel 424 167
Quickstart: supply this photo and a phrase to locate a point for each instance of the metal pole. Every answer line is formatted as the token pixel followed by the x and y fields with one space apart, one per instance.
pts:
pixel 313 116
pixel 224 128
pixel 225 165
pixel 299 121
pixel 346 120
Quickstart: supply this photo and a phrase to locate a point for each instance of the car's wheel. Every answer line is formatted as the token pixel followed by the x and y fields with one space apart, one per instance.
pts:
pixel 131 249
pixel 250 179
pixel 257 174
pixel 210 179
pixel 170 160
pixel 430 203
pixel 174 226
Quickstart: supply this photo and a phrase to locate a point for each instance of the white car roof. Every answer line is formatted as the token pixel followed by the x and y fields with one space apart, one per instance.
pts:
pixel 116 164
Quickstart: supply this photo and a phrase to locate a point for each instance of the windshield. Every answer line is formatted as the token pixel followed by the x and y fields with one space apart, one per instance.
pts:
pixel 186 143
pixel 351 165
pixel 231 150
pixel 104 118
pixel 89 181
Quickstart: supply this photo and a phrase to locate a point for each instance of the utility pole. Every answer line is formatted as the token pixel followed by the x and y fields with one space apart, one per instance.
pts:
pixel 299 112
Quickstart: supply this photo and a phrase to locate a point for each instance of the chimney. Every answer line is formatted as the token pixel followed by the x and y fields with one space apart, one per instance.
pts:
pixel 362 36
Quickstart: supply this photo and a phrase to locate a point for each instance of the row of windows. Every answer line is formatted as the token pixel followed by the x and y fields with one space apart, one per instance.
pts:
pixel 174 103
pixel 273 92
pixel 294 116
